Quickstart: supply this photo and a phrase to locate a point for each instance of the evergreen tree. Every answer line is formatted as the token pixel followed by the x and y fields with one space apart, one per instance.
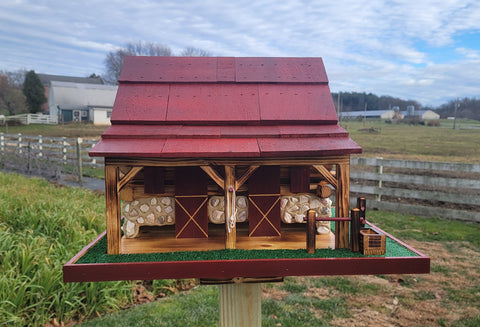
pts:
pixel 34 92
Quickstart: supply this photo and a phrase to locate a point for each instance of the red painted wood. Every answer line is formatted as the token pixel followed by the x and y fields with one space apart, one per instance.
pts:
pixel 210 148
pixel 213 103
pixel 154 178
pixel 249 131
pixel 296 103
pixel 140 103
pixel 225 69
pixel 191 188
pixel 300 179
pixel 169 69
pixel 264 205
pixel 281 70
pixel 141 131
pixel 271 147
pixel 128 148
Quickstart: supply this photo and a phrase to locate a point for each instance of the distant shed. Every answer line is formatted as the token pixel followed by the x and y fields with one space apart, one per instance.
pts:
pixel 192 127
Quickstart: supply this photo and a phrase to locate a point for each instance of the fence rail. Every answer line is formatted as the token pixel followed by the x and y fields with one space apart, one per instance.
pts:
pixel 47 156
pixel 27 119
pixel 441 189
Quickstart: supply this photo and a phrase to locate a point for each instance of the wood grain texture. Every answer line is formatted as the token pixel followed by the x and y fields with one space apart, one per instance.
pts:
pixel 112 210
pixel 342 203
pixel 240 305
pixel 230 219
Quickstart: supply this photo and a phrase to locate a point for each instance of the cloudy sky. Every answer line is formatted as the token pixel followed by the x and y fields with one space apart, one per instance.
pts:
pixel 425 50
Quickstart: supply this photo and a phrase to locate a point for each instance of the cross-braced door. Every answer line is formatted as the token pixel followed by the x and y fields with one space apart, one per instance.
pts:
pixel 191 219
pixel 264 202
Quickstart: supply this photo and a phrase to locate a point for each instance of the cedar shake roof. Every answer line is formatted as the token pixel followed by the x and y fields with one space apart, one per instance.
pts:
pixel 209 107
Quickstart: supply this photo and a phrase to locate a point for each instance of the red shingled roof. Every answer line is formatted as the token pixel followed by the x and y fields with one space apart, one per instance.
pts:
pixel 223 107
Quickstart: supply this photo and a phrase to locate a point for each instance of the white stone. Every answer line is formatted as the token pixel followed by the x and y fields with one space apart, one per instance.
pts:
pixel 294 199
pixel 127 207
pixel 140 220
pixel 323 230
pixel 135 203
pixel 133 213
pixel 287 218
pixel 214 202
pixel 218 216
pixel 144 208
pixel 150 218
pixel 170 220
pixel 166 201
pixel 242 202
pixel 283 203
pixel 305 208
pixel 158 208
pixel 299 218
pixel 315 204
pixel 153 201
pixel 130 229
pixel 303 198
pixel 294 208
pixel 168 209
pixel 242 216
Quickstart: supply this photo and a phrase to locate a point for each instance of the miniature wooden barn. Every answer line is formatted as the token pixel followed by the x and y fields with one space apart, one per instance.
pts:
pixel 242 134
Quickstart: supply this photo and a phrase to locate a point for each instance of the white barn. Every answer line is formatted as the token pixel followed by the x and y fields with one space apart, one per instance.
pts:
pixel 79 102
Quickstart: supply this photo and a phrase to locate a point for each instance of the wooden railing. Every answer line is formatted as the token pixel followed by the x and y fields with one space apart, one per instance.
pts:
pixel 27 119
pixel 431 189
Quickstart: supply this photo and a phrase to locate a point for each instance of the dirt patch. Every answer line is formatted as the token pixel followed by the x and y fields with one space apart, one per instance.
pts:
pixel 447 295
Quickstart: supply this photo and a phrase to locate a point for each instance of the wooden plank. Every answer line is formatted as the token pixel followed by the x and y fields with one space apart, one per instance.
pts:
pixel 112 210
pixel 424 211
pixel 418 179
pixel 342 202
pixel 423 165
pixel 415 194
pixel 128 177
pixel 326 174
pixel 300 179
pixel 291 147
pixel 230 204
pixel 153 180
pixel 214 175
pixel 240 305
pixel 239 182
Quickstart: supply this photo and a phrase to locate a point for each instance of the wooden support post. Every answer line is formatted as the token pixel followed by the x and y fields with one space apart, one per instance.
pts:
pixel 378 182
pixel 362 205
pixel 342 201
pixel 240 305
pixel 355 230
pixel 112 209
pixel 79 160
pixel 311 220
pixel 230 218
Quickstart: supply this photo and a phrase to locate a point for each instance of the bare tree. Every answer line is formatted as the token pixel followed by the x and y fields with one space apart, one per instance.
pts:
pixel 195 52
pixel 114 59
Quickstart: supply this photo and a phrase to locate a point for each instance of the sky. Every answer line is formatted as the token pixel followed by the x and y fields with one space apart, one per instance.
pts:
pixel 423 50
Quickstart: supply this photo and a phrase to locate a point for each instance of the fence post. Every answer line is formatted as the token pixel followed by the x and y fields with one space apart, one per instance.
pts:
pixel 29 158
pixel 79 160
pixel 378 182
pixel 64 150
pixel 2 143
pixel 19 143
pixel 40 145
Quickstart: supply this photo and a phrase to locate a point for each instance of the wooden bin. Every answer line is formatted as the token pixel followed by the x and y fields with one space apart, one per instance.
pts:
pixel 371 242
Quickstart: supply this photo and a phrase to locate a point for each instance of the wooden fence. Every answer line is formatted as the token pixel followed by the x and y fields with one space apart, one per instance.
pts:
pixel 27 119
pixel 430 189
pixel 47 156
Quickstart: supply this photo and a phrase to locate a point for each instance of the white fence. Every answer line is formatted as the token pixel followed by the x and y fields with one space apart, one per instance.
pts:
pixel 431 189
pixel 27 119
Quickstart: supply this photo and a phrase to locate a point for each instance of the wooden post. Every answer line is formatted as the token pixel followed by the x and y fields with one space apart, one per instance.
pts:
pixel 355 230
pixel 378 182
pixel 240 305
pixel 342 198
pixel 64 150
pixel 311 220
pixel 112 209
pixel 362 205
pixel 79 160
pixel 230 217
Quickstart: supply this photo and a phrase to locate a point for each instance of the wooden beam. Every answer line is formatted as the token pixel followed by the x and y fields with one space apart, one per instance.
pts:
pixel 128 177
pixel 342 202
pixel 214 175
pixel 326 174
pixel 240 304
pixel 112 209
pixel 239 182
pixel 230 219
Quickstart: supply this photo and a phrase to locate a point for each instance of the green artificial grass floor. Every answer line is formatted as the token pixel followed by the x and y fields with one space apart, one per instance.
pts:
pixel 98 254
